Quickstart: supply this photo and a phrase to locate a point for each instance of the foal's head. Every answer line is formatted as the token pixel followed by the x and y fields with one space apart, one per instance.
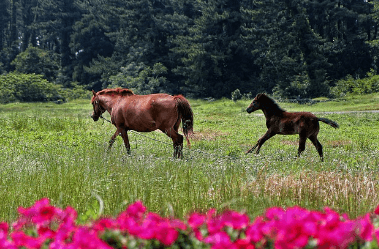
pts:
pixel 98 110
pixel 256 104
pixel 262 101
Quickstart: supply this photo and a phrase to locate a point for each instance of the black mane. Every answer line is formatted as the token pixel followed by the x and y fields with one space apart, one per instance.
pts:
pixel 269 104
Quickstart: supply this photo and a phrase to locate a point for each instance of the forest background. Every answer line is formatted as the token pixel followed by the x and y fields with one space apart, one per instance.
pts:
pixel 199 48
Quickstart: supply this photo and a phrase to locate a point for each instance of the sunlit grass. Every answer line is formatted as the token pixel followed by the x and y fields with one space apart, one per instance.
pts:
pixel 57 151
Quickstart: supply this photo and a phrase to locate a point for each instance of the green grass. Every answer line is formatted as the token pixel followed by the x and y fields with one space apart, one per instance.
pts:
pixel 57 151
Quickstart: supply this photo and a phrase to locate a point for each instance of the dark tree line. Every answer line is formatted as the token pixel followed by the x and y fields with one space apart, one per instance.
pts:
pixel 199 48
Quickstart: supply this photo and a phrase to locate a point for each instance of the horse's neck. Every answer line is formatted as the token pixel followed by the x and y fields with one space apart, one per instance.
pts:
pixel 271 111
pixel 267 113
pixel 109 102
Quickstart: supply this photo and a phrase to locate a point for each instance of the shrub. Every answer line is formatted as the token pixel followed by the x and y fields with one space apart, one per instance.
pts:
pixel 236 95
pixel 370 84
pixel 27 88
pixel 46 226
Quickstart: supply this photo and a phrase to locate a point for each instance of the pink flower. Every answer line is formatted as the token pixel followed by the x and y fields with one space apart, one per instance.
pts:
pixel 136 210
pixel 104 224
pixel 377 210
pixel 365 228
pixel 4 242
pixel 21 239
pixel 333 232
pixel 65 230
pixel 178 224
pixel 166 234
pixel 196 220
pixel 85 237
pixel 220 240
pixel 4 228
pixel 40 214
pixel 235 220
pixel 243 244
pixel 254 231
pixel 292 232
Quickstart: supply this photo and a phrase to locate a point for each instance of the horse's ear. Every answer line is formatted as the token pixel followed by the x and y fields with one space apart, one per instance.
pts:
pixel 94 93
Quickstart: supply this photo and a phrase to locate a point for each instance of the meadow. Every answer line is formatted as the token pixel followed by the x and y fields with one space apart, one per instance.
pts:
pixel 59 152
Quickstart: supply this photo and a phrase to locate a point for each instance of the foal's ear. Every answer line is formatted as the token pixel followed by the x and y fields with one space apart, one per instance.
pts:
pixel 94 93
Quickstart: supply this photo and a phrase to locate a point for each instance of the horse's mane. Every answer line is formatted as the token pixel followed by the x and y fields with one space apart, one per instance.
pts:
pixel 269 104
pixel 114 91
pixel 118 91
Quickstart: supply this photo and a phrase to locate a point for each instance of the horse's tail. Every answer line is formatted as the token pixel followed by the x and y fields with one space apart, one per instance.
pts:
pixel 329 122
pixel 186 113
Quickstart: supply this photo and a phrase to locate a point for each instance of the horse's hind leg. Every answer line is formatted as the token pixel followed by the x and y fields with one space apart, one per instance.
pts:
pixel 318 146
pixel 302 140
pixel 177 140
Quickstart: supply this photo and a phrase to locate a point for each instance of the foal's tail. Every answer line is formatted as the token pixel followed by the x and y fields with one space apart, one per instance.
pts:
pixel 329 122
pixel 184 109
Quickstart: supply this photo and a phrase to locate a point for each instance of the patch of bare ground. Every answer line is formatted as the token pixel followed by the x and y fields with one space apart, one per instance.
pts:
pixel 357 193
pixel 207 135
pixel 339 143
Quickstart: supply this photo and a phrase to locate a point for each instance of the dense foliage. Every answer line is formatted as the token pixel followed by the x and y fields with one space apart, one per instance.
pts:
pixel 45 226
pixel 198 48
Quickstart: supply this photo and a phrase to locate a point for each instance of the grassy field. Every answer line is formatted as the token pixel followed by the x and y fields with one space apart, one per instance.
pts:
pixel 57 151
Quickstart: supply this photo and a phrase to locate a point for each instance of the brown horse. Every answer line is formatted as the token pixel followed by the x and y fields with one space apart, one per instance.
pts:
pixel 145 113
pixel 278 121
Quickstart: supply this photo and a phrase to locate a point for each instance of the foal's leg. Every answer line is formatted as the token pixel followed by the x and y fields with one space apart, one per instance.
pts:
pixel 318 146
pixel 302 140
pixel 261 141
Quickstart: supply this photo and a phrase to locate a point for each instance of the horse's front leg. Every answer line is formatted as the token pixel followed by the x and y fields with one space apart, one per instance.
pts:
pixel 124 135
pixel 253 148
pixel 261 141
pixel 113 139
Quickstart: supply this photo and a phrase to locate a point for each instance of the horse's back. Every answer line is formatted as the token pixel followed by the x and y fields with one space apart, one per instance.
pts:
pixel 296 122
pixel 146 112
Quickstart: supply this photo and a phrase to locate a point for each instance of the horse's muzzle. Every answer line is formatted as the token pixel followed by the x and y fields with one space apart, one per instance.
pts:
pixel 95 118
pixel 249 110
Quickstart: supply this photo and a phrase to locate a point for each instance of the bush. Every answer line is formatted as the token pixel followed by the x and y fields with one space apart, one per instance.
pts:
pixel 27 88
pixel 236 95
pixel 370 84
pixel 46 226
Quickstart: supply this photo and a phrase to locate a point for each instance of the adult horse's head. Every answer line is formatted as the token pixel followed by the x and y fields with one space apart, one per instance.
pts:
pixel 98 110
pixel 255 105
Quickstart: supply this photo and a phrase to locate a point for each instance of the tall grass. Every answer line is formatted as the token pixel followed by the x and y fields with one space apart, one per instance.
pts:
pixel 57 151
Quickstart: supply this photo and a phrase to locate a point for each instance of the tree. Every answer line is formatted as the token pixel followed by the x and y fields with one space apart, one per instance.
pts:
pixel 37 61
pixel 54 21
pixel 215 60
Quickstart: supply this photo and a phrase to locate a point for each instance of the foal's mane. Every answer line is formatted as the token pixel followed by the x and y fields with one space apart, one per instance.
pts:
pixel 269 104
